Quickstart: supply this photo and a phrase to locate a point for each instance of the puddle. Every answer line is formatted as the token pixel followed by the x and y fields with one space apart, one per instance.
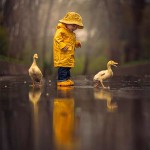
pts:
pixel 74 118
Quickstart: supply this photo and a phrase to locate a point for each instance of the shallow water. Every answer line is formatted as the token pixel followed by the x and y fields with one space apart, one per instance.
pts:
pixel 75 118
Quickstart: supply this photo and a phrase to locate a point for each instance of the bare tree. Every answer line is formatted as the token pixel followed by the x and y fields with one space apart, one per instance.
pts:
pixel 115 28
pixel 133 47
pixel 34 22
pixel 21 21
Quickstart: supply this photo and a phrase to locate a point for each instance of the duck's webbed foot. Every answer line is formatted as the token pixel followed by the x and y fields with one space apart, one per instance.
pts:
pixel 104 87
pixel 96 84
pixel 32 85
pixel 108 87
pixel 38 85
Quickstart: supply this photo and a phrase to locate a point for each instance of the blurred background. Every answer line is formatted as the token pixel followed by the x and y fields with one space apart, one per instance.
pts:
pixel 113 29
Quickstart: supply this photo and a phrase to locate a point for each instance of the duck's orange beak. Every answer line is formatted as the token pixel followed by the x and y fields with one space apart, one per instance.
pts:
pixel 115 64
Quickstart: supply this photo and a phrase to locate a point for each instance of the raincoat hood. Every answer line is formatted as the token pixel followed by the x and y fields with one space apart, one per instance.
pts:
pixel 60 25
pixel 73 18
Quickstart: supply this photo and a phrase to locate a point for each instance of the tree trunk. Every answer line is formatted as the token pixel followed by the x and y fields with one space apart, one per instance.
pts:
pixel 44 47
pixel 133 48
pixel 115 28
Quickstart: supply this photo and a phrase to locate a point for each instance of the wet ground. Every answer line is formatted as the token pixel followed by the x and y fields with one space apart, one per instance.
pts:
pixel 75 118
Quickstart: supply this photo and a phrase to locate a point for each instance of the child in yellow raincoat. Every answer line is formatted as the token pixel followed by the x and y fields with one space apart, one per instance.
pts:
pixel 64 46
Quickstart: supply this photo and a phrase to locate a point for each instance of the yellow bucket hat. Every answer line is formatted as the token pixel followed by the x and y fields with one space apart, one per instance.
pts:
pixel 73 18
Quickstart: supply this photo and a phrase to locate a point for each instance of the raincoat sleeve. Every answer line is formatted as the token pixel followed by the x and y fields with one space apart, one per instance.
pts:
pixel 59 39
pixel 77 44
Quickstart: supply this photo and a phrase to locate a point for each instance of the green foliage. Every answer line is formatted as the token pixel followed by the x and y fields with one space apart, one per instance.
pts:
pixel 3 41
pixel 97 64
pixel 79 64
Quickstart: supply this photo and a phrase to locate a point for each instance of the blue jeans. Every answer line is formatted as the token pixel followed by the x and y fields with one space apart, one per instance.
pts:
pixel 63 73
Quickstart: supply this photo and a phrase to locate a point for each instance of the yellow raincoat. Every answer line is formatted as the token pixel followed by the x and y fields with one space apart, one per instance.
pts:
pixel 63 37
pixel 63 121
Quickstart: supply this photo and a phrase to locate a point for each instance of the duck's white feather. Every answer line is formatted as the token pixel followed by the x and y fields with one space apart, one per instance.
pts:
pixel 35 72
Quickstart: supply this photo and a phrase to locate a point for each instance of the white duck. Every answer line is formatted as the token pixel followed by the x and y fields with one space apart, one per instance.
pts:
pixel 105 74
pixel 35 73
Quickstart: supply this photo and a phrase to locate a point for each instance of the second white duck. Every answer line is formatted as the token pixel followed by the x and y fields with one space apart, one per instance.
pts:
pixel 104 74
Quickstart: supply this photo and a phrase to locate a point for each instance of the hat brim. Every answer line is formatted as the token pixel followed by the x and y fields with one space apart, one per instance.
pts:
pixel 80 26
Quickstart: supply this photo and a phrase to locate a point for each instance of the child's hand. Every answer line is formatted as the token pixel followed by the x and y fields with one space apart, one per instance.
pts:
pixel 79 44
pixel 65 48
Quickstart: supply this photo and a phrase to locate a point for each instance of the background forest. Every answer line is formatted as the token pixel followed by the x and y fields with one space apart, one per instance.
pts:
pixel 114 29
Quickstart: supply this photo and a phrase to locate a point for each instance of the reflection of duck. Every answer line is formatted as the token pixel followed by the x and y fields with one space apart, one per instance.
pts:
pixel 63 122
pixel 35 73
pixel 34 97
pixel 105 74
pixel 106 95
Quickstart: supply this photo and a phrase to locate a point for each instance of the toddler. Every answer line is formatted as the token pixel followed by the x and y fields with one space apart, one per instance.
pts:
pixel 64 46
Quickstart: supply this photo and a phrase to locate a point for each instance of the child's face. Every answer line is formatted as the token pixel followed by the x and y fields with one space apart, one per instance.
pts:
pixel 72 27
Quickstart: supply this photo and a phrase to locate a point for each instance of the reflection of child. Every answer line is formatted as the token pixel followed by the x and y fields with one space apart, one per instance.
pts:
pixel 64 46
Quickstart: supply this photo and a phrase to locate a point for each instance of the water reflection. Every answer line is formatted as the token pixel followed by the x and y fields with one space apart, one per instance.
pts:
pixel 63 119
pixel 102 94
pixel 65 92
pixel 14 118
pixel 73 118
pixel 34 98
